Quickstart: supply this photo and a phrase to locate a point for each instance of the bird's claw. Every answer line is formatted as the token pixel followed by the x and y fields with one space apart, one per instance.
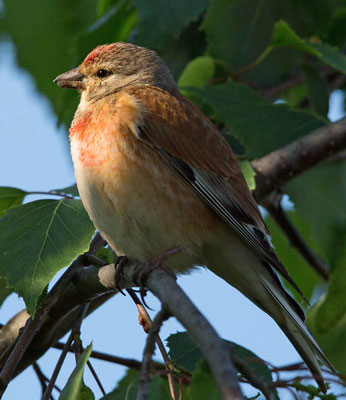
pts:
pixel 119 265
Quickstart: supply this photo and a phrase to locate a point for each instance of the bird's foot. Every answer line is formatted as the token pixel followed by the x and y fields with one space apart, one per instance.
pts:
pixel 119 264
pixel 141 276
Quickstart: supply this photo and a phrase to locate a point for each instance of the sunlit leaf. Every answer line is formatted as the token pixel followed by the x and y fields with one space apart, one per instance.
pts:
pixel 37 240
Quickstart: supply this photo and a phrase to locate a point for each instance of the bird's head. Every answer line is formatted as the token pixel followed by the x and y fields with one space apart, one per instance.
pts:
pixel 110 68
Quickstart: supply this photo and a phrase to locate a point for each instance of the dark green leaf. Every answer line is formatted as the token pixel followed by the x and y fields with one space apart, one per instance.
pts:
pixel 10 197
pixel 260 126
pixel 179 52
pixel 72 190
pixel 114 26
pixel 203 386
pixel 285 36
pixel 320 196
pixel 4 290
pixel 169 19
pixel 333 341
pixel 37 240
pixel 336 30
pixel 238 31
pixel 127 388
pixel 75 388
pixel 186 354
pixel 317 90
pixel 330 55
pixel 183 351
pixel 43 32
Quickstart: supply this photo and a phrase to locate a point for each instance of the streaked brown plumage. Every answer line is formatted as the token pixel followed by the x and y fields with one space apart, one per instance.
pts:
pixel 153 173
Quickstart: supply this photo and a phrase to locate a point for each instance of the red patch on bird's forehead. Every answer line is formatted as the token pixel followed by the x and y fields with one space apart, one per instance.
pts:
pixel 98 51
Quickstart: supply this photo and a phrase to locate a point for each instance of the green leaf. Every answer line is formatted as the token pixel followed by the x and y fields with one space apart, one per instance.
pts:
pixel 127 388
pixel 10 197
pixel 75 388
pixel 249 173
pixel 302 273
pixel 197 73
pixel 336 28
pixel 114 26
pixel 295 95
pixel 285 36
pixel 43 33
pixel 37 240
pixel 169 19
pixel 203 386
pixel 259 125
pixel 320 196
pixel 238 31
pixel 4 290
pixel 330 55
pixel 333 341
pixel 72 190
pixel 317 90
pixel 183 351
pixel 186 354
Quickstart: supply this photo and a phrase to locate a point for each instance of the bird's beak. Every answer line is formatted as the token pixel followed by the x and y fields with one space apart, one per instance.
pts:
pixel 71 79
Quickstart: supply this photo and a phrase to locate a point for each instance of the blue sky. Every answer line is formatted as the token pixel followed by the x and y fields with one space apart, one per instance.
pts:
pixel 35 156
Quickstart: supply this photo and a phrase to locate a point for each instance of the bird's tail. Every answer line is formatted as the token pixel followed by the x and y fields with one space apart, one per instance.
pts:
pixel 295 329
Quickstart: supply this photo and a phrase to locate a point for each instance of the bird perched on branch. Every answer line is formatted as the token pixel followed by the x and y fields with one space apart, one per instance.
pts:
pixel 154 173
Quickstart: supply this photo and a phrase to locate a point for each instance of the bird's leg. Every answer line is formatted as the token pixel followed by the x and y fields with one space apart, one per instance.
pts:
pixel 119 263
pixel 156 262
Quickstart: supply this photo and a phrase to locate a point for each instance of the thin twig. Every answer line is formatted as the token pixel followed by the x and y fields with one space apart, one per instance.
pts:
pixel 296 239
pixel 148 353
pixel 146 322
pixel 94 374
pixel 65 196
pixel 57 368
pixel 75 330
pixel 78 346
pixel 33 325
pixel 42 378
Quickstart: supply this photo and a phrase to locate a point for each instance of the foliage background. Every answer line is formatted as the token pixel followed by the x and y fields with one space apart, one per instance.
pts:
pixel 202 42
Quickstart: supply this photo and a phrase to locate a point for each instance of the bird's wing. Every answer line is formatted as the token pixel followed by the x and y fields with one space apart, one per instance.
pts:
pixel 193 147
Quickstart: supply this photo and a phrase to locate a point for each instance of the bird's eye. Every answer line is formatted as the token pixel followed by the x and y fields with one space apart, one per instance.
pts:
pixel 102 73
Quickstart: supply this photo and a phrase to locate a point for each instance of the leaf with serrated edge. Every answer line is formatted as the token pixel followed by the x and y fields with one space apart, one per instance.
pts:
pixel 259 125
pixel 37 240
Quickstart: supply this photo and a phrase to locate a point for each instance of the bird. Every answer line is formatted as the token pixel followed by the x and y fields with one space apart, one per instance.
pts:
pixel 154 173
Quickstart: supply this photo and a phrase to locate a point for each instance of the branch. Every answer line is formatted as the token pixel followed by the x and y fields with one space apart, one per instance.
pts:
pixel 277 168
pixel 91 282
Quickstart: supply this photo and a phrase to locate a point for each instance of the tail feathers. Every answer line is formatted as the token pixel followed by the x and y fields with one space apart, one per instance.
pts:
pixel 297 332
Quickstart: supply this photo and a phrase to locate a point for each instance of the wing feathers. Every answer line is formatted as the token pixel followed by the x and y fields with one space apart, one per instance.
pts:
pixel 193 147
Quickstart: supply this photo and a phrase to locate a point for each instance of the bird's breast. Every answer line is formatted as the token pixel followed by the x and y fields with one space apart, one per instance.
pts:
pixel 137 202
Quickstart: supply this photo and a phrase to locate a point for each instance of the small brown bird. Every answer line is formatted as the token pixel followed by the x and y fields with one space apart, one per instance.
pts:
pixel 154 173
